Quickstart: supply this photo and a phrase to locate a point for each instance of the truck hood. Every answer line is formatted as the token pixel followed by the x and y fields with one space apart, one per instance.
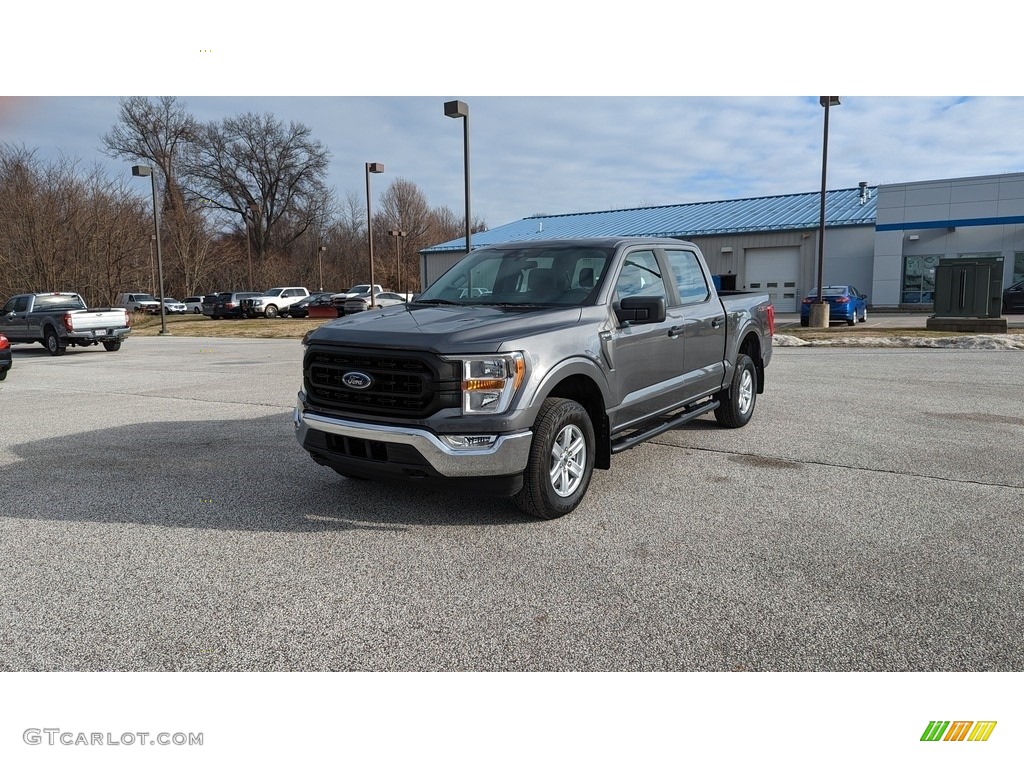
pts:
pixel 444 329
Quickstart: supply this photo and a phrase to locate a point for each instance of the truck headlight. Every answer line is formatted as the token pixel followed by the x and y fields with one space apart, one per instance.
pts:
pixel 490 381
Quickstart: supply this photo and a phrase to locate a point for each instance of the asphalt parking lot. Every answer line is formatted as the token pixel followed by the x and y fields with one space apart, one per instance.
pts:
pixel 158 514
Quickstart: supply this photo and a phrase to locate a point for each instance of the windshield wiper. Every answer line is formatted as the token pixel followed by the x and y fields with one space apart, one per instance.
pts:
pixel 438 301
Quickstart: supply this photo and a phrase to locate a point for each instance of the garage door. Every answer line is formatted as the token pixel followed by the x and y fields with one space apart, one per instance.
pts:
pixel 774 271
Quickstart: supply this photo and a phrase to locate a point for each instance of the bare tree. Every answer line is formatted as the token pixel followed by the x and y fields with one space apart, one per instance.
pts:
pixel 268 174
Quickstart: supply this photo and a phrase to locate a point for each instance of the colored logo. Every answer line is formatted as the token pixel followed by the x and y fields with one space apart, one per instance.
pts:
pixel 356 380
pixel 958 730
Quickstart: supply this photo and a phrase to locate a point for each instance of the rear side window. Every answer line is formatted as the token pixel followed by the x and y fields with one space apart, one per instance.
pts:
pixel 688 275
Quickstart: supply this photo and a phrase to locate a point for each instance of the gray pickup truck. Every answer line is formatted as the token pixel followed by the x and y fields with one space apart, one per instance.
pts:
pixel 528 364
pixel 59 320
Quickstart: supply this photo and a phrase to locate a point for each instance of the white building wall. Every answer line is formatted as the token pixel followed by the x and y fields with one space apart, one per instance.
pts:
pixel 944 218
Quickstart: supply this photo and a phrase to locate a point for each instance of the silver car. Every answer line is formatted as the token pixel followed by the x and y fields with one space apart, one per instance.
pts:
pixel 174 307
pixel 362 302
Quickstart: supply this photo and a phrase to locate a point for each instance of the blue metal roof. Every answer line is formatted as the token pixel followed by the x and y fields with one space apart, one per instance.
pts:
pixel 843 207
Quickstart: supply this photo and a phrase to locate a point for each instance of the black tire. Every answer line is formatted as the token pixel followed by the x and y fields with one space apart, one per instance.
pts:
pixel 270 311
pixel 111 346
pixel 737 403
pixel 3 374
pixel 805 321
pixel 52 343
pixel 852 320
pixel 197 311
pixel 563 423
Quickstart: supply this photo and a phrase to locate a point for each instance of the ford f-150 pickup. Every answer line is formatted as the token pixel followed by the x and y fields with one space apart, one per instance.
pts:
pixel 573 351
pixel 57 320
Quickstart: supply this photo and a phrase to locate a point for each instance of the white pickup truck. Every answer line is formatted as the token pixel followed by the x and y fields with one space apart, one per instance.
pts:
pixel 60 320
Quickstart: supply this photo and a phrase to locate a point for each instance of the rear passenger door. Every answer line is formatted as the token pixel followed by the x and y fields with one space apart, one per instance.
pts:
pixel 697 313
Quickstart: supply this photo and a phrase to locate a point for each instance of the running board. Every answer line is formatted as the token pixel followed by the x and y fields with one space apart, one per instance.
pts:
pixel 633 440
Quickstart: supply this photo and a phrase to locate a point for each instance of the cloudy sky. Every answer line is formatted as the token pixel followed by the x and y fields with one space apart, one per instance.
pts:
pixel 570 111
pixel 564 154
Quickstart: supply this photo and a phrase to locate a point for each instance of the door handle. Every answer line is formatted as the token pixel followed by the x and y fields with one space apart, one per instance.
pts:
pixel 673 333
pixel 717 322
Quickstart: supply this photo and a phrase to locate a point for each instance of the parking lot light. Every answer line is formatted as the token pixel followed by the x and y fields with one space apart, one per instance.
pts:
pixel 145 170
pixel 371 168
pixel 456 109
pixel 398 234
pixel 820 309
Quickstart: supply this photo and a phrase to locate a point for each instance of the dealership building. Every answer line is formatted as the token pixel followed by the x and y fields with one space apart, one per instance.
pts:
pixel 885 240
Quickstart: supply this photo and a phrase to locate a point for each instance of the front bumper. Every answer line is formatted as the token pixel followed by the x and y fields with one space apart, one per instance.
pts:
pixel 508 455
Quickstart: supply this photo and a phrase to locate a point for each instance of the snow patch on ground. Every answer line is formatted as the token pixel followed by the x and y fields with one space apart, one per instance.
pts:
pixel 983 341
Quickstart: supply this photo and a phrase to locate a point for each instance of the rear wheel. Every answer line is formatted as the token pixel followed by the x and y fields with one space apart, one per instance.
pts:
pixel 864 316
pixel 805 321
pixel 111 346
pixel 737 403
pixel 561 460
pixel 53 345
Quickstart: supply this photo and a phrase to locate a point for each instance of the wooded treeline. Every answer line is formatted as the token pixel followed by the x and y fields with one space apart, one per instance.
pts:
pixel 243 206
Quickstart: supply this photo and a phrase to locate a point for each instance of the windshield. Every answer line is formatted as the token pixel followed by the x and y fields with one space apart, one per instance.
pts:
pixel 559 275
pixel 273 292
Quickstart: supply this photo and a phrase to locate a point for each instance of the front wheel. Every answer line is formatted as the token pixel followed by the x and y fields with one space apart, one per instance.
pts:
pixel 53 345
pixel 270 311
pixel 736 404
pixel 561 460
pixel 111 346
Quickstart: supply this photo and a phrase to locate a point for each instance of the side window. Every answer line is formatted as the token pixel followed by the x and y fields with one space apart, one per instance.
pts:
pixel 689 276
pixel 21 304
pixel 640 276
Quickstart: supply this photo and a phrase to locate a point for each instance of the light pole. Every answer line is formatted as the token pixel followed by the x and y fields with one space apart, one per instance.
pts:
pixel 371 168
pixel 145 170
pixel 398 234
pixel 320 262
pixel 152 264
pixel 250 217
pixel 461 109
pixel 820 308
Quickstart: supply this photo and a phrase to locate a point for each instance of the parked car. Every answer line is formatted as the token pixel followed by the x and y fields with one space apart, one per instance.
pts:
pixel 845 302
pixel 361 303
pixel 194 304
pixel 273 302
pixel 339 299
pixel 5 357
pixel 585 348
pixel 60 320
pixel 138 302
pixel 301 308
pixel 1013 298
pixel 227 304
pixel 174 307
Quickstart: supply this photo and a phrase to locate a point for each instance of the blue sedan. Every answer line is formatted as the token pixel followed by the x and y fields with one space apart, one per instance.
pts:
pixel 846 303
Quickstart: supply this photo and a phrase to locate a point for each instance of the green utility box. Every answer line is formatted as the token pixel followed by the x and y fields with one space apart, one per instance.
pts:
pixel 969 287
pixel 968 296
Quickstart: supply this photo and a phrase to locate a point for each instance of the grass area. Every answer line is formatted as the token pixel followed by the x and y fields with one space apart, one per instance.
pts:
pixel 202 326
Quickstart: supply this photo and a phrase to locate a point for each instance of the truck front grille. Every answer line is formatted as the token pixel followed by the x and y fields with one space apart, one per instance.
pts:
pixel 407 384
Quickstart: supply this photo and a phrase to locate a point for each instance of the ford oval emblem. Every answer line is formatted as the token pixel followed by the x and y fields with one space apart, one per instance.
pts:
pixel 356 380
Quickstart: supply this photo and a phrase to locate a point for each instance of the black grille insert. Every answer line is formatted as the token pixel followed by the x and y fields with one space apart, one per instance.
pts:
pixel 401 384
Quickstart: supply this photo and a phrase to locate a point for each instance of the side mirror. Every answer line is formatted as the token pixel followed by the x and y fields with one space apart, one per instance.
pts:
pixel 641 310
